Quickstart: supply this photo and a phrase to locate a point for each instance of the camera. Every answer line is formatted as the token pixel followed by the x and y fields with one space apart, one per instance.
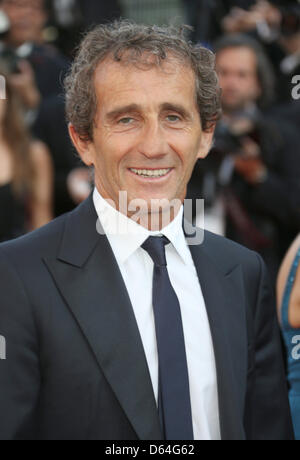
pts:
pixel 229 137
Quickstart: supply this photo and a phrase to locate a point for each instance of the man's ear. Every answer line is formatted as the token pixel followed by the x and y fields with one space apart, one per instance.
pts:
pixel 83 147
pixel 206 142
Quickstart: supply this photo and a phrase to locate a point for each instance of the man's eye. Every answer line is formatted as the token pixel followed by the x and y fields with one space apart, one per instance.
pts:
pixel 173 118
pixel 125 121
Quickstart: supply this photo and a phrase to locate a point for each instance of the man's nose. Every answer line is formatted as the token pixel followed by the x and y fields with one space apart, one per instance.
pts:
pixel 153 143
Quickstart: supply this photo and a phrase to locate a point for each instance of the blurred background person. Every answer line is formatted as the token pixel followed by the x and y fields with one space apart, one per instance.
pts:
pixel 255 162
pixel 69 18
pixel 25 173
pixel 288 295
pixel 276 23
pixel 256 16
pixel 23 41
pixel 51 127
pixel 208 17
pixel 36 71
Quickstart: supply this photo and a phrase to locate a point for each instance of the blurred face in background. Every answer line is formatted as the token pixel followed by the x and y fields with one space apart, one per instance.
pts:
pixel 27 18
pixel 237 70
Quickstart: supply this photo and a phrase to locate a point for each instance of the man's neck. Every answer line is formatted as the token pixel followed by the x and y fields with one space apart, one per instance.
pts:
pixel 155 222
pixel 153 216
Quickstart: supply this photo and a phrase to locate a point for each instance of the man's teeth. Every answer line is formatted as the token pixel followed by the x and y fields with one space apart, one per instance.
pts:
pixel 150 172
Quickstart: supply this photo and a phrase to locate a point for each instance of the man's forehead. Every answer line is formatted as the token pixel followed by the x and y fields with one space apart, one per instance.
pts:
pixel 109 71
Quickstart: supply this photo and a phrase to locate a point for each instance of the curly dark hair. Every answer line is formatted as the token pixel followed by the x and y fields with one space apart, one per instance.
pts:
pixel 129 42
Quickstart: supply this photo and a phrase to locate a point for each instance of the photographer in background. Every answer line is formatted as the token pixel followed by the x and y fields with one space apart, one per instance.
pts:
pixel 36 69
pixel 276 23
pixel 256 163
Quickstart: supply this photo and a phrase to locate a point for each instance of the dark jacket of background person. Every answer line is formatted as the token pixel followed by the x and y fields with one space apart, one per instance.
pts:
pixel 76 367
pixel 273 206
pixel 81 15
pixel 49 125
pixel 51 128
pixel 50 68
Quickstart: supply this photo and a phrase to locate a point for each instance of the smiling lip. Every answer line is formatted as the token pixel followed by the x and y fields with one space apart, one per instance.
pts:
pixel 151 173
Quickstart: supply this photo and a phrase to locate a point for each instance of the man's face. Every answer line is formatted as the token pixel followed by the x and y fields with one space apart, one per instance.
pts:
pixel 27 19
pixel 237 70
pixel 147 134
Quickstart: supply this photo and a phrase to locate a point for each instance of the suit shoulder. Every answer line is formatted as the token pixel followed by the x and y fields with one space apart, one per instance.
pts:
pixel 227 255
pixel 224 250
pixel 225 243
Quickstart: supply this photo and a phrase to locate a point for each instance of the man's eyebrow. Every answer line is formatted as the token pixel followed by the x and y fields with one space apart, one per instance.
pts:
pixel 121 110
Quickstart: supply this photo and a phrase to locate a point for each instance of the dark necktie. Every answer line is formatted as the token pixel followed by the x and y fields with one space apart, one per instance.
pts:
pixel 174 403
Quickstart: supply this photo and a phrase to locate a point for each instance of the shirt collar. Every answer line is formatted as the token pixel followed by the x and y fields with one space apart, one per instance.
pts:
pixel 126 236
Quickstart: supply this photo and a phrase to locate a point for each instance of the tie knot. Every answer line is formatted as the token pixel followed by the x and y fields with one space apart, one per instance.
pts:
pixel 155 246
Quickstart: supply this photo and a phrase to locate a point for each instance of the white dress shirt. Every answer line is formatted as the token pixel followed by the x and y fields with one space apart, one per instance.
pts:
pixel 126 237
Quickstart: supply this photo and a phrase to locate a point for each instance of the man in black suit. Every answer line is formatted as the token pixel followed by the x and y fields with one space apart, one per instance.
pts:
pixel 115 327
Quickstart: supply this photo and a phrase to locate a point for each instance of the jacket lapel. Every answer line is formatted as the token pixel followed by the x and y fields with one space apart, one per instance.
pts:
pixel 224 298
pixel 88 277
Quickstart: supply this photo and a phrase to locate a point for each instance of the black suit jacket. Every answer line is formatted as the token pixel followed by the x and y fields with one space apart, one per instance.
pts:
pixel 75 365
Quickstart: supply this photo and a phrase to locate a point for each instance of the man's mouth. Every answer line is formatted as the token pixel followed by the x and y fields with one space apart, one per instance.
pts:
pixel 152 173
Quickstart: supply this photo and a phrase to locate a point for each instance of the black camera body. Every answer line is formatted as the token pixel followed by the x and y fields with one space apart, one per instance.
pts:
pixel 226 142
pixel 229 138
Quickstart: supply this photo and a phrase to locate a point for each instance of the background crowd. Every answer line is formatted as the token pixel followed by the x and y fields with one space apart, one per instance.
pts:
pixel 251 179
pixel 250 182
